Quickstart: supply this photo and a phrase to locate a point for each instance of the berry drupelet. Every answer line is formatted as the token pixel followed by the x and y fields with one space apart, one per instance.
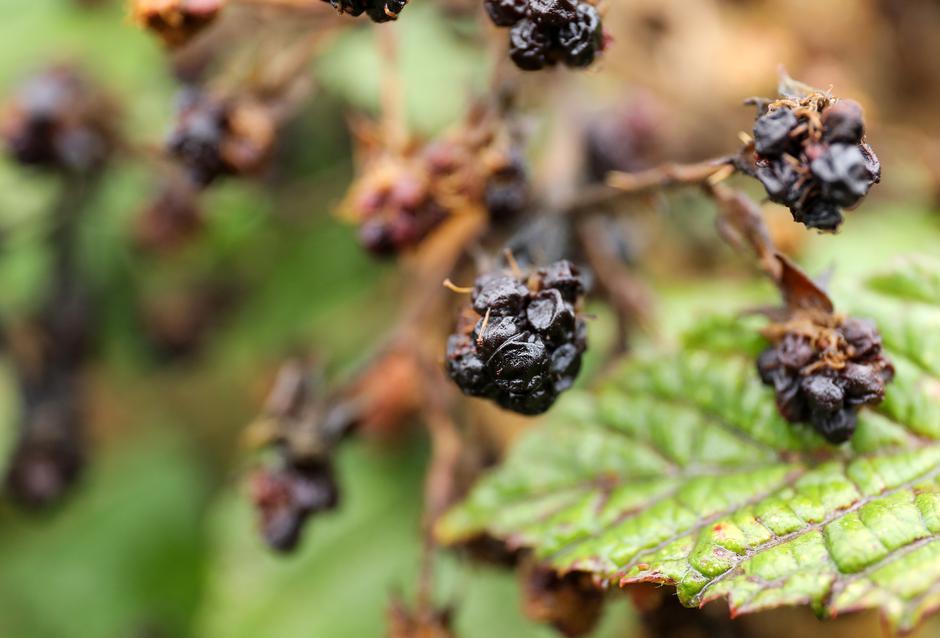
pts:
pixel 546 32
pixel 811 156
pixel 824 368
pixel 522 342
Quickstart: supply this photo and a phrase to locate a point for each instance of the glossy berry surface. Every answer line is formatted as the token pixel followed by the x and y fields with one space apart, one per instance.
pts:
pixel 526 344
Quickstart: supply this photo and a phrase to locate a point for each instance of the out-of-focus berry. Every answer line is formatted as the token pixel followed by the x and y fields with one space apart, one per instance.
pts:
pixel 215 137
pixel 58 120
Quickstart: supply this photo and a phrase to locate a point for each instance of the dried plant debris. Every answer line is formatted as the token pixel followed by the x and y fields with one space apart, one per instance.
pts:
pixel 521 342
pixel 824 367
pixel 543 33
pixel 810 154
pixel 60 120
pixel 176 22
pixel 377 10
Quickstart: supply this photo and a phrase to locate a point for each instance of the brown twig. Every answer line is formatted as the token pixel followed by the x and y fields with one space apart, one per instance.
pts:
pixel 670 175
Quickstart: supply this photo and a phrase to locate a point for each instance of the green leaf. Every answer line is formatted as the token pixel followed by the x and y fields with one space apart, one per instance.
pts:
pixel 679 470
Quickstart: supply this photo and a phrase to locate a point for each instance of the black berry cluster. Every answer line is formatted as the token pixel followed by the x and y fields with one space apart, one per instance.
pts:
pixel 521 345
pixel 215 137
pixel 287 496
pixel 823 372
pixel 58 120
pixel 811 156
pixel 377 10
pixel 544 33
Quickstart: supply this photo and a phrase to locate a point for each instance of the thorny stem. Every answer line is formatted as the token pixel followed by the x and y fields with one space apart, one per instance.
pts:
pixel 622 188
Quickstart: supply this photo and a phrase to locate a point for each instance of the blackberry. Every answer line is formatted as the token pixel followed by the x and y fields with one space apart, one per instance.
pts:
pixel 530 46
pixel 525 345
pixel 49 456
pixel 811 157
pixel 581 37
pixel 507 190
pixel 546 32
pixel 215 137
pixel 377 10
pixel 505 13
pixel 286 497
pixel 823 369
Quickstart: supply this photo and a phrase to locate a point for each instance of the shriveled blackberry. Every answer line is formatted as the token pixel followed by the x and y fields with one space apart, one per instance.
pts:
pixel 59 120
pixel 377 10
pixel 824 368
pixel 546 32
pixel 524 344
pixel 625 138
pixel 286 497
pixel 810 155
pixel 49 456
pixel 507 190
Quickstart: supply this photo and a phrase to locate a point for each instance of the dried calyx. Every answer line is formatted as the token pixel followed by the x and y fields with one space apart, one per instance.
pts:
pixel 521 342
pixel 810 154
pixel 544 33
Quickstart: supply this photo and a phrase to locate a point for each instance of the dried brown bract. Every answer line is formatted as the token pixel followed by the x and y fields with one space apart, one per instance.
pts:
pixel 176 22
